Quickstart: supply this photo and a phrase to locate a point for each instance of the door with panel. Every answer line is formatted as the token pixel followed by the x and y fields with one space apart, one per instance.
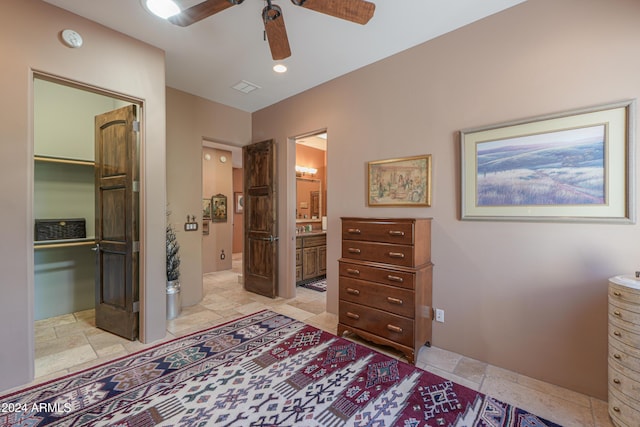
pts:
pixel 260 219
pixel 117 224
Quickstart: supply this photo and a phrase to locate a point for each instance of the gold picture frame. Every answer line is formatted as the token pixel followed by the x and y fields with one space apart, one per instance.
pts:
pixel 576 166
pixel 399 182
pixel 219 208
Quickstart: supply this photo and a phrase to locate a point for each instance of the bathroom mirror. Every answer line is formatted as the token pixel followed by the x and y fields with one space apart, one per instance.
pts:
pixel 308 200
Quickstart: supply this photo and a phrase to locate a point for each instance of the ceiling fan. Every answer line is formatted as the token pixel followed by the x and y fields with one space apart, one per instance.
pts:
pixel 358 11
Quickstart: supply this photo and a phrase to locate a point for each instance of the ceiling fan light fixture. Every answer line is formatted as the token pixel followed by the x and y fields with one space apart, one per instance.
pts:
pixel 271 12
pixel 162 8
pixel 280 68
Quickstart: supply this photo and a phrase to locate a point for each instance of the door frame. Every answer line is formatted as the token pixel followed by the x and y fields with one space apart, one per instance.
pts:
pixel 42 75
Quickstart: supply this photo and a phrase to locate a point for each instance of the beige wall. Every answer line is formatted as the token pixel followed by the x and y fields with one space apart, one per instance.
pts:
pixel 190 120
pixel 29 42
pixel 529 297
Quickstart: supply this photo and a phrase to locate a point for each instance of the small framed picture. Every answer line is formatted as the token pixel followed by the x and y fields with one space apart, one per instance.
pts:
pixel 400 182
pixel 206 209
pixel 219 208
pixel 238 199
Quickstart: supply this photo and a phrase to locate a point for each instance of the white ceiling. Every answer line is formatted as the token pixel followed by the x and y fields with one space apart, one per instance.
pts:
pixel 209 57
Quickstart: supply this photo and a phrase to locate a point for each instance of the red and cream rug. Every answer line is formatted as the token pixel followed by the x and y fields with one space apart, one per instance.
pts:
pixel 264 369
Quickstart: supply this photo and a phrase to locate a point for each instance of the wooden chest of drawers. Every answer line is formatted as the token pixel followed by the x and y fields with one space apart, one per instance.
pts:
pixel 385 281
pixel 624 351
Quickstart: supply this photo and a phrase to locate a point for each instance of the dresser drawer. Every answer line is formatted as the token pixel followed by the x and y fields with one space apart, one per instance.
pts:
pixel 386 325
pixel 403 279
pixel 621 412
pixel 625 385
pixel 624 294
pixel 624 332
pixel 378 231
pixel 621 312
pixel 379 252
pixel 620 354
pixel 388 298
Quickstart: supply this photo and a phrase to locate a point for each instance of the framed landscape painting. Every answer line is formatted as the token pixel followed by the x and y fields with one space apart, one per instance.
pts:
pixel 575 166
pixel 400 182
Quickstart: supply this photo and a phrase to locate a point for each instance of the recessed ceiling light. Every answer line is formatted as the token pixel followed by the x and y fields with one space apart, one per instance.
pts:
pixel 162 8
pixel 280 68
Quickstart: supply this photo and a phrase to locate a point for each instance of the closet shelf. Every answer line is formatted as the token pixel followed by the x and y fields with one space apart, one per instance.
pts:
pixel 49 244
pixel 64 161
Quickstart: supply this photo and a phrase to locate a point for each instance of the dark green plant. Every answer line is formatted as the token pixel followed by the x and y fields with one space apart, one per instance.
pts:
pixel 173 258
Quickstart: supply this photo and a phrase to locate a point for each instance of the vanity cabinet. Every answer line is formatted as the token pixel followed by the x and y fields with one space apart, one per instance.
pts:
pixel 624 351
pixel 385 282
pixel 311 257
pixel 298 259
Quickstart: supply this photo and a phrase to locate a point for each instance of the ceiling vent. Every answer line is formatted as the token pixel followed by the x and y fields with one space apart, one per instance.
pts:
pixel 245 86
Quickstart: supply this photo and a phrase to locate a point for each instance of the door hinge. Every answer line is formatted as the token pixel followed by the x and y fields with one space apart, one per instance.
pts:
pixel 136 186
pixel 136 246
pixel 136 307
pixel 136 126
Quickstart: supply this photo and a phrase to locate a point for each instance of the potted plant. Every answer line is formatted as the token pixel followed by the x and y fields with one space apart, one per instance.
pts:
pixel 173 273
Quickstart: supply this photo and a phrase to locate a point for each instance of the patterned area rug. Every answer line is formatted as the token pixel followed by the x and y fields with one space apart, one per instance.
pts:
pixel 318 285
pixel 265 369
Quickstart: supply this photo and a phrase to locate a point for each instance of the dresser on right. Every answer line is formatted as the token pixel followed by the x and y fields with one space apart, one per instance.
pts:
pixel 385 282
pixel 624 351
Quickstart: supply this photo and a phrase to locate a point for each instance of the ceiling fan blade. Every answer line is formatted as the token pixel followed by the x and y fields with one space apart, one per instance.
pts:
pixel 358 11
pixel 276 32
pixel 200 11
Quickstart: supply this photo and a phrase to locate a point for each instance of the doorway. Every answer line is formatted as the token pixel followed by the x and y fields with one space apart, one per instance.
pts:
pixel 311 211
pixel 64 199
pixel 222 229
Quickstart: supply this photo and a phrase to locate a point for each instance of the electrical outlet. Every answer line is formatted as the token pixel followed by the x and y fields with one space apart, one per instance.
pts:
pixel 439 315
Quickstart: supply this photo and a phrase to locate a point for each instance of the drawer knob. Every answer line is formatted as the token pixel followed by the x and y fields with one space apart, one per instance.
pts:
pixel 616 381
pixel 617 313
pixel 396 233
pixel 394 328
pixel 353 291
pixel 617 293
pixel 353 231
pixel 394 300
pixel 616 409
pixel 395 278
pixel 617 333
pixel 352 315
pixel 396 254
pixel 353 271
pixel 617 356
pixel 354 250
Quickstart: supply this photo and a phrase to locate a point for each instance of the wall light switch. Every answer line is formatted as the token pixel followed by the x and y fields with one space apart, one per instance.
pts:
pixel 439 315
pixel 190 226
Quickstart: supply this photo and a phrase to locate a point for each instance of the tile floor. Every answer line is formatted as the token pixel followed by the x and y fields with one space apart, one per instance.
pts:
pixel 69 343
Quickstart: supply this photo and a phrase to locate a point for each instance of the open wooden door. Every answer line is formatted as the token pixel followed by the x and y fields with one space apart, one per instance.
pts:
pixel 116 179
pixel 260 219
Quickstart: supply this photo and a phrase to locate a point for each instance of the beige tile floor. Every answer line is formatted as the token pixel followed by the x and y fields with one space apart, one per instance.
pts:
pixel 69 343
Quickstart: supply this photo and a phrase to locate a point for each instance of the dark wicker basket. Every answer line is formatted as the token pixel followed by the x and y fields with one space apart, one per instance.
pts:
pixel 60 229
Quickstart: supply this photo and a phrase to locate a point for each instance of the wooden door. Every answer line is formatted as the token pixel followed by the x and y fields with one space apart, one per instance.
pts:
pixel 260 219
pixel 116 179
